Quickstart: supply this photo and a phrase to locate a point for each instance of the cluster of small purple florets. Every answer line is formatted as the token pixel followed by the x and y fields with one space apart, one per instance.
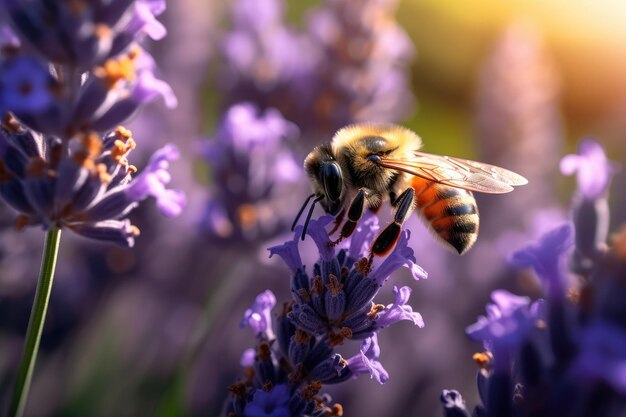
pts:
pixel 294 358
pixel 564 355
pixel 70 72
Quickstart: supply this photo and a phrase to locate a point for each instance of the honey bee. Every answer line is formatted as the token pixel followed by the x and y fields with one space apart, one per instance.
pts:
pixel 366 164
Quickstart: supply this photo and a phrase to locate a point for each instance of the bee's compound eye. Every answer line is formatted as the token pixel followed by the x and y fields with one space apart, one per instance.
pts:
pixel 332 181
pixel 374 158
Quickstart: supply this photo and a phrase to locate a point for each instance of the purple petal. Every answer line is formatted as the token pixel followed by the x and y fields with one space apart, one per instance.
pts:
pixel 289 252
pixel 319 235
pixel 399 310
pixel 259 316
pixel 366 361
pixel 594 171
pixel 402 255
pixel 152 180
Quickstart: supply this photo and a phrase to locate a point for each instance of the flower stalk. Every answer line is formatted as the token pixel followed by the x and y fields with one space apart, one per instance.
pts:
pixel 36 322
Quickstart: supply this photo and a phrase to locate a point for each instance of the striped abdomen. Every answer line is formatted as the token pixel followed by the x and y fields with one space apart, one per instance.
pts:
pixel 450 212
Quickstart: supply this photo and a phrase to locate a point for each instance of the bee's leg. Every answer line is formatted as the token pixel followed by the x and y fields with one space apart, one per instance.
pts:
pixel 354 214
pixel 338 221
pixel 386 240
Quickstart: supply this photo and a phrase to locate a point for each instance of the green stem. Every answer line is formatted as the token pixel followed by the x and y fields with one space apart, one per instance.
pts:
pixel 35 324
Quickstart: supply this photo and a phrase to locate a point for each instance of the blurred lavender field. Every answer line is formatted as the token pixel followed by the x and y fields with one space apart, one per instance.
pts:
pixel 155 330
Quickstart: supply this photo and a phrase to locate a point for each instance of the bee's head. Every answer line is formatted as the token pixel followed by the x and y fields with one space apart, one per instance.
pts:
pixel 326 178
pixel 328 184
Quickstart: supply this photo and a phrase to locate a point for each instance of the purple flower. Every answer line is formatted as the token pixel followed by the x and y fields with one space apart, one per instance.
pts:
pixel 336 302
pixel 87 187
pixel 84 35
pixel 402 255
pixel 153 179
pixel 274 403
pixel 255 176
pixel 602 355
pixel 259 317
pixel 399 310
pixel 548 258
pixel 25 85
pixel 144 19
pixel 509 320
pixel 366 361
pixel 593 169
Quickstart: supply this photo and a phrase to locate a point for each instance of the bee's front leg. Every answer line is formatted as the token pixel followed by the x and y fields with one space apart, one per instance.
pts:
pixel 355 211
pixel 386 240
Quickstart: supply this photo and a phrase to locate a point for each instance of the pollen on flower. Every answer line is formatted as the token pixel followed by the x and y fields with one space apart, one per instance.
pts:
pixel 103 31
pixel 120 150
pixel 376 308
pixel 334 286
pixel 135 230
pixel 336 410
pixel 92 144
pixel 363 266
pixel 310 391
pixel 113 71
pixel 336 339
pixel 238 390
pixel 317 286
pixel 483 359
pixel 301 337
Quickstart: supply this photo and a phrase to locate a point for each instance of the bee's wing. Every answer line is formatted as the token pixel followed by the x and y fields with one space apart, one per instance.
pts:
pixel 460 173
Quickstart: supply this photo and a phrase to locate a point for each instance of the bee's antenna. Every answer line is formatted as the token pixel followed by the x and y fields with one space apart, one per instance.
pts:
pixel 293 226
pixel 309 214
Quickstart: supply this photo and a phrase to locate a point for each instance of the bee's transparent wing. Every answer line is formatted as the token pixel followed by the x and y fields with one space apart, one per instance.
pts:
pixel 456 172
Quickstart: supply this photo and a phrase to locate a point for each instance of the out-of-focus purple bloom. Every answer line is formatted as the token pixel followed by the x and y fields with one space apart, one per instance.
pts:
pixel 84 34
pixel 362 73
pixel 247 357
pixel 144 19
pixel 270 404
pixel 85 185
pixel 517 121
pixel 346 66
pixel 255 176
pixel 602 355
pixel 548 259
pixel 148 87
pixel 593 170
pixel 25 85
pixel 508 322
pixel 259 317
pixel 590 205
pixel 8 38
pixel 366 361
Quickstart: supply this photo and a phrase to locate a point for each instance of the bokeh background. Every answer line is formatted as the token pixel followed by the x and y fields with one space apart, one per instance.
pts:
pixel 154 331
